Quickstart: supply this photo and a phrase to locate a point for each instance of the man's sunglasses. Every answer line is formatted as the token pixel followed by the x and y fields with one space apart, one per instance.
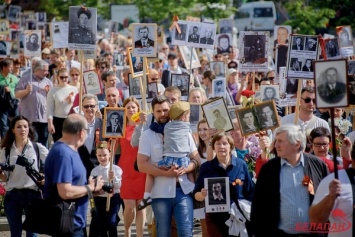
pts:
pixel 63 77
pixel 89 106
pixel 308 100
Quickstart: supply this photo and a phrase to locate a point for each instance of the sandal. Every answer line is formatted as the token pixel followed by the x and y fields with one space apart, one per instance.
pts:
pixel 144 203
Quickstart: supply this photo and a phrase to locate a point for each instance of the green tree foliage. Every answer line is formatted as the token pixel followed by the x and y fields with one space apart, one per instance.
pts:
pixel 307 18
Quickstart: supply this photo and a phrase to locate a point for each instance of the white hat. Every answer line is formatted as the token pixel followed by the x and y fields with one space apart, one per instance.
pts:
pixel 230 71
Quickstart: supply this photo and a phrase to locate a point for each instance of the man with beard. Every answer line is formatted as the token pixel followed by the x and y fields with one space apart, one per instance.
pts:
pixel 144 41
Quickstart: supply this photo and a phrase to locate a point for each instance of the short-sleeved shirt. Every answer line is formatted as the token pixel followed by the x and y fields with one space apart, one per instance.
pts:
pixel 10 81
pixel 63 165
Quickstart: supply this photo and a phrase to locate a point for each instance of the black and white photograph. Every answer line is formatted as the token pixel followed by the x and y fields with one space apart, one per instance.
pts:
pixel 351 67
pixel 41 26
pixel 248 120
pixel 135 64
pixel 303 52
pixel 195 115
pixel 82 28
pixel 41 16
pixel 144 38
pixel 217 115
pixel 219 87
pixel 15 35
pixel 4 27
pixel 186 57
pixel 179 39
pixel 288 89
pixel 225 26
pixel 152 91
pixel 345 40
pixel 218 69
pixel 207 35
pixel 269 92
pixel 332 48
pixel 92 82
pixel 291 86
pixel 331 83
pixel 31 24
pixel 281 57
pixel 3 49
pixel 113 26
pixel 267 115
pixel 32 43
pixel 114 125
pixel 218 198
pixel 282 34
pixel 89 54
pixel 182 82
pixel 118 60
pixel 223 43
pixel 194 29
pixel 135 84
pixel 254 50
pixel 14 49
pixel 23 19
pixel 59 34
pixel 13 13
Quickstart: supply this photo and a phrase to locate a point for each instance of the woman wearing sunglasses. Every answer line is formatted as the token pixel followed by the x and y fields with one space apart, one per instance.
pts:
pixel 59 101
pixel 75 77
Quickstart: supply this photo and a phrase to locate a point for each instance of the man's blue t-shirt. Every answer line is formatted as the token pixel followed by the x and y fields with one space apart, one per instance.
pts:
pixel 63 165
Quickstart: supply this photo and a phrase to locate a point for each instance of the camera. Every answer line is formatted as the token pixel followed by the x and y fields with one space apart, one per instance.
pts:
pixel 107 187
pixel 23 161
pixel 6 167
pixel 32 173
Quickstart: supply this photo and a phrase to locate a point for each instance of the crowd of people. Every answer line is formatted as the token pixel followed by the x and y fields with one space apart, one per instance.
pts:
pixel 161 161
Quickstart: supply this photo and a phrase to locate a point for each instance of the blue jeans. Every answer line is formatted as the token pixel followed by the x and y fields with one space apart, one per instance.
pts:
pixel 14 203
pixel 42 132
pixel 181 207
pixel 4 124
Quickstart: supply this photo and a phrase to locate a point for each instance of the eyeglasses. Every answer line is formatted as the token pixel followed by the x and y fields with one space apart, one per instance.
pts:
pixel 89 106
pixel 321 145
pixel 308 100
pixel 74 75
pixel 65 77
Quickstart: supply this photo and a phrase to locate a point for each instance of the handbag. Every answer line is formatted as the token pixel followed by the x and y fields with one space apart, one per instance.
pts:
pixel 47 217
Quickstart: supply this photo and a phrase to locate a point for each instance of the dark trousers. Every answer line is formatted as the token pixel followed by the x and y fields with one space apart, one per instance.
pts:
pixel 104 224
pixel 58 126
pixel 41 132
pixel 78 232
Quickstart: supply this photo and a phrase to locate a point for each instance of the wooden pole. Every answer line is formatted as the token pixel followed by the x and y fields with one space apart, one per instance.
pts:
pixel 112 149
pixel 144 88
pixel 297 111
pixel 334 143
pixel 81 56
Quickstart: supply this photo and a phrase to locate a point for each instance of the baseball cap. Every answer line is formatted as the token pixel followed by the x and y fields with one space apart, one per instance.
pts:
pixel 178 109
pixel 230 71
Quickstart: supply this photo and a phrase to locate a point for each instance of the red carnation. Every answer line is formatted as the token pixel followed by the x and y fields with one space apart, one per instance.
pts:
pixel 2 190
pixel 248 93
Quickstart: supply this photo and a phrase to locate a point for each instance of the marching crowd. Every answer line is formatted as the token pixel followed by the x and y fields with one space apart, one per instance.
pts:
pixel 279 183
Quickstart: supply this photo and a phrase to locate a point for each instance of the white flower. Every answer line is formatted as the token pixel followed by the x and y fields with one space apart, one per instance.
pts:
pixel 343 125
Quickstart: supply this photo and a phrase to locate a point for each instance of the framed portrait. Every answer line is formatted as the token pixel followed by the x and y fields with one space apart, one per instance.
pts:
pixel 281 56
pixel 267 115
pixel 219 87
pixel 59 34
pixel 218 69
pixel 223 43
pixel 218 198
pixel 270 92
pixel 14 49
pixel 189 56
pixel 288 89
pixel 114 125
pixel 118 60
pixel 135 86
pixel 193 33
pixel 345 40
pixel 248 120
pixel 232 111
pixel 41 16
pixel 113 26
pixel 136 64
pixel 332 48
pixel 23 19
pixel 180 39
pixel 282 34
pixel 331 84
pixel 82 28
pixel 225 26
pixel 13 13
pixel 4 27
pixel 182 82
pixel 15 34
pixel 31 24
pixel 32 43
pixel 144 40
pixel 303 51
pixel 152 90
pixel 195 115
pixel 208 33
pixel 4 48
pixel 254 50
pixel 92 82
pixel 216 114
pixel 351 67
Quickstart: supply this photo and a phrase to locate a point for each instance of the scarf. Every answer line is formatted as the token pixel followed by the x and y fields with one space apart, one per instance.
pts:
pixel 157 127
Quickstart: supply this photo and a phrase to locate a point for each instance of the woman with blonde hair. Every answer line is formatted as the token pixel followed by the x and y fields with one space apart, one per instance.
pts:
pixel 75 77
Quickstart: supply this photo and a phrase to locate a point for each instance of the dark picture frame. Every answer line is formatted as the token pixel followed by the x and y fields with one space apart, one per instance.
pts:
pixel 216 114
pixel 218 69
pixel 111 113
pixel 136 64
pixel 135 86
pixel 328 74
pixel 218 198
pixel 92 83
pixel 182 82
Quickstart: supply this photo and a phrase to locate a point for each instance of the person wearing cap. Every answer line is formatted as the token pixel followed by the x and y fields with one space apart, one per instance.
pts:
pixel 311 44
pixel 176 148
pixel 32 44
pixel 81 34
pixel 46 54
pixel 173 69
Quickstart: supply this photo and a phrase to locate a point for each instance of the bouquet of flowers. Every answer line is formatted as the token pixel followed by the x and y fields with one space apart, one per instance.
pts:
pixel 2 197
pixel 254 152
